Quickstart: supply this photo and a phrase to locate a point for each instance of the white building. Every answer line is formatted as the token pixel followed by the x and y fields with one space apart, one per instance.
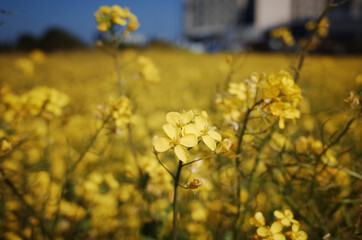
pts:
pixel 248 20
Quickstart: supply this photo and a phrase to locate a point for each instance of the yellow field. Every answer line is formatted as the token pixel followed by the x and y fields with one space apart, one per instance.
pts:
pixel 120 191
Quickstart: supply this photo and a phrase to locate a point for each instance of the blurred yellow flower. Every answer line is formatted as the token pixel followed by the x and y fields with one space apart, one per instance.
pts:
pixel 5 147
pixel 286 218
pixel 109 17
pixel 295 234
pixel 284 34
pixel 274 232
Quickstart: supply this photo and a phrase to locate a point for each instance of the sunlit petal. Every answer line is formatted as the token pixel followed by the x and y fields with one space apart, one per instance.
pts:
pixel 215 135
pixel 260 218
pixel 209 141
pixel 192 129
pixel 173 117
pixel 182 153
pixel 201 122
pixel 276 227
pixel 278 214
pixel 162 144
pixel 171 130
pixel 187 116
pixel 188 140
pixel 279 236
pixel 262 231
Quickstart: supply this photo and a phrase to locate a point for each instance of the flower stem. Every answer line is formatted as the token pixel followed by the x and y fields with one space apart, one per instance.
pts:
pixel 304 50
pixel 176 184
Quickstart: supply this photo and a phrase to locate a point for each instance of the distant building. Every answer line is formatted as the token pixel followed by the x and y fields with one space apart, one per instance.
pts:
pixel 242 21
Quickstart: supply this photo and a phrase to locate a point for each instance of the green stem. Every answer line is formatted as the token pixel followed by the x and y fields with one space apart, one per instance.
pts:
pixel 237 164
pixel 115 60
pixel 133 149
pixel 73 167
pixel 176 184
pixel 304 50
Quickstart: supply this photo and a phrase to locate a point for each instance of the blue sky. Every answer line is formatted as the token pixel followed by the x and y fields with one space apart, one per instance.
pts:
pixel 158 18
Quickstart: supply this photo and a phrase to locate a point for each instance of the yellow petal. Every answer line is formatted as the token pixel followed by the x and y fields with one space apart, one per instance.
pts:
pixel 288 214
pixel 209 142
pixel 302 235
pixel 215 135
pixel 188 140
pixel 181 153
pixel 276 227
pixel 281 123
pixel 278 214
pixel 285 222
pixel 118 20
pixel 192 129
pixel 162 144
pixel 260 218
pixel 187 116
pixel 171 130
pixel 262 232
pixel 173 117
pixel 295 227
pixel 201 122
pixel 279 236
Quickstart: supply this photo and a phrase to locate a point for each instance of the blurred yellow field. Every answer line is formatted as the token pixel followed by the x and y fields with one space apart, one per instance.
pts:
pixel 108 197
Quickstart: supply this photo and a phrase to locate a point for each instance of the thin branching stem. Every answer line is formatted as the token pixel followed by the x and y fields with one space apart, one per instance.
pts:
pixel 174 205
pixel 304 50
pixel 163 165
pixel 237 163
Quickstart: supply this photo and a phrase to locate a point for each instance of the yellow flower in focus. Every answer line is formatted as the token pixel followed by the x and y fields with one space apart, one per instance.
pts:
pixel 180 119
pixel 175 141
pixel 286 218
pixel 202 128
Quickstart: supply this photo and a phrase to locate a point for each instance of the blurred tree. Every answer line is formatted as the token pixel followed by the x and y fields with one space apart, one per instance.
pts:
pixel 27 42
pixel 58 39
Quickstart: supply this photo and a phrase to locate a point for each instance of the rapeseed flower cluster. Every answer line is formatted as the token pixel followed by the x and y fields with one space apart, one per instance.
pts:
pixel 110 17
pixel 277 231
pixel 184 131
pixel 284 34
pixel 44 101
pixel 321 28
pixel 148 70
pixel 118 114
pixel 274 95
